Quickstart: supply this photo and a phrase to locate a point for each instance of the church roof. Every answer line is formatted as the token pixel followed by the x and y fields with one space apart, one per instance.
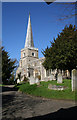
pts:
pixel 29 37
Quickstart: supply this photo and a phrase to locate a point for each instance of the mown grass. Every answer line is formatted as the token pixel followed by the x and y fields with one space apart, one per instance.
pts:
pixel 43 90
pixel 2 85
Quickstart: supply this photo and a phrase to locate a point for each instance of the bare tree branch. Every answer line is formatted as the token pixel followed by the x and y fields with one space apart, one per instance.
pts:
pixel 71 9
pixel 72 5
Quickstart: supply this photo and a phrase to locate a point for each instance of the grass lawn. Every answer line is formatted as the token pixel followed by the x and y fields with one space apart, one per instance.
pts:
pixel 43 90
pixel 2 85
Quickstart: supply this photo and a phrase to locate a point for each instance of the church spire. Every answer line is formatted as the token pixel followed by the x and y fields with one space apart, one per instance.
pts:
pixel 29 36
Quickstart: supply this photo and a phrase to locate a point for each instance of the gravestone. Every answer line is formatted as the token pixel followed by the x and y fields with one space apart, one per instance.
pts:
pixel 18 81
pixel 59 78
pixel 74 80
pixel 55 87
pixel 68 74
pixel 37 81
pixel 51 77
pixel 32 80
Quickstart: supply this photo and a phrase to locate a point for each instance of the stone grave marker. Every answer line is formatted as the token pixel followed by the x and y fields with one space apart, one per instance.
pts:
pixel 55 87
pixel 32 80
pixel 59 78
pixel 18 81
pixel 51 77
pixel 37 81
pixel 74 80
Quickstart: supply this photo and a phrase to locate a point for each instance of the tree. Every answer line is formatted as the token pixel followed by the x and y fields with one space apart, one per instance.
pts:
pixel 69 11
pixel 63 51
pixel 8 65
pixel 12 78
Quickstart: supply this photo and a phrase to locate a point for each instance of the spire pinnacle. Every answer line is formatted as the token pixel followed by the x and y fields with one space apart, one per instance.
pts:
pixel 29 13
pixel 29 36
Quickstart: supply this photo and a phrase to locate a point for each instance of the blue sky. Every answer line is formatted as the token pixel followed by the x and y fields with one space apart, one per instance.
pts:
pixel 44 19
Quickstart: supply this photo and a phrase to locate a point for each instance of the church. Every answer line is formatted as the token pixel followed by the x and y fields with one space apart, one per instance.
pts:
pixel 30 64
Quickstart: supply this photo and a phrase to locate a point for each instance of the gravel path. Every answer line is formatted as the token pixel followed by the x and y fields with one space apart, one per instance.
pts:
pixel 18 106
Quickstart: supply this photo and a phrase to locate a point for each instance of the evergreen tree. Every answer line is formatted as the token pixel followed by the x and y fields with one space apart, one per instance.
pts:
pixel 63 51
pixel 8 65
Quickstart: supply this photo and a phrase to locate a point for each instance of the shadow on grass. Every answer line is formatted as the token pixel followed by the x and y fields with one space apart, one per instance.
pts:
pixel 62 113
pixel 5 89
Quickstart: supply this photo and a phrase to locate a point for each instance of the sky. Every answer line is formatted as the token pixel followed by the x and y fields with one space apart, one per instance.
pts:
pixel 44 20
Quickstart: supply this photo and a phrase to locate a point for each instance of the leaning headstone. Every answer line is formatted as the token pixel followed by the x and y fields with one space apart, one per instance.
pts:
pixel 74 80
pixel 32 80
pixel 37 81
pixel 59 78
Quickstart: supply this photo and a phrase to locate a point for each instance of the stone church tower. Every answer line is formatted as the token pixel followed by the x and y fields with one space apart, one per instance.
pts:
pixel 29 53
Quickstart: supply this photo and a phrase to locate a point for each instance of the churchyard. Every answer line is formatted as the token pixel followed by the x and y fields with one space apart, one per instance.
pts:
pixel 55 89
